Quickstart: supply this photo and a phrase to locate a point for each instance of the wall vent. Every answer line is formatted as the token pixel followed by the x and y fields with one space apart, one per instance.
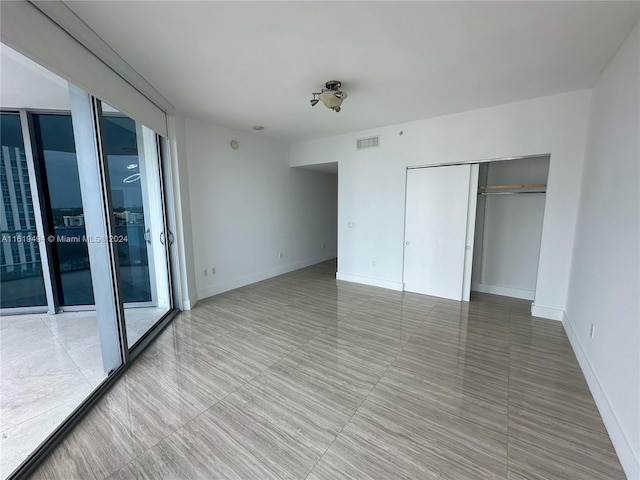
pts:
pixel 368 142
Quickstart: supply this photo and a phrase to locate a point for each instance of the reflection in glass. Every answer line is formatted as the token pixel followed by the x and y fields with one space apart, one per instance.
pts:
pixel 54 134
pixel 22 283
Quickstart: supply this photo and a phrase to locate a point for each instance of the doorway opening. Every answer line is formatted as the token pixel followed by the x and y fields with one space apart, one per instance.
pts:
pixel 323 192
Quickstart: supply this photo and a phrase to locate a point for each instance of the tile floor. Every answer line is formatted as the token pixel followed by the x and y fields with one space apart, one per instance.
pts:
pixel 301 376
pixel 48 365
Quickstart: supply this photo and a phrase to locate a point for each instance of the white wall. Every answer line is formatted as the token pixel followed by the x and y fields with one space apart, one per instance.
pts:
pixel 605 271
pixel 372 182
pixel 248 205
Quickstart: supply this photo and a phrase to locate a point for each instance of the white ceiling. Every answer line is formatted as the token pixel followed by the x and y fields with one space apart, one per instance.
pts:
pixel 240 64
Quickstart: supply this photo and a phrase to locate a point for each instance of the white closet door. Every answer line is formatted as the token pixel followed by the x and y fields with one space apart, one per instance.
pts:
pixel 437 208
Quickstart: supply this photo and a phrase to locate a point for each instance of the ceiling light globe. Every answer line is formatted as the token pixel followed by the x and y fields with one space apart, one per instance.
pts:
pixel 330 99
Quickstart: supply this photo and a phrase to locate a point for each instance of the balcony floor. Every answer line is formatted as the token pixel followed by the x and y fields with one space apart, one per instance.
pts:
pixel 48 365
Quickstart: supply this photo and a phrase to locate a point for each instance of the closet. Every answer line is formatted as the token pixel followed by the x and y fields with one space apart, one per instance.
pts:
pixel 508 229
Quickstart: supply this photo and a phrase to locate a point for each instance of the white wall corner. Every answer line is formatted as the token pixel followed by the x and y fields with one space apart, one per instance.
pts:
pixel 191 301
pixel 630 462
pixel 371 281
pixel 547 312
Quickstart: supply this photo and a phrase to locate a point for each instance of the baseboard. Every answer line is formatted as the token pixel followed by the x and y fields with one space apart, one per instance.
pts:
pixel 504 291
pixel 547 312
pixel 190 302
pixel 622 445
pixel 374 282
pixel 258 277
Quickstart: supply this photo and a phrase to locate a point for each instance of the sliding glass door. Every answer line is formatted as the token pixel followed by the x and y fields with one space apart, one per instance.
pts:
pixel 50 361
pixel 138 210
pixel 84 270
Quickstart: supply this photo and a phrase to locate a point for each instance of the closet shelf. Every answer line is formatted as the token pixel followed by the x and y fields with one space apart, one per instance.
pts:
pixel 520 186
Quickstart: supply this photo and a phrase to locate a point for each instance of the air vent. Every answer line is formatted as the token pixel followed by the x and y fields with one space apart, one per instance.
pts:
pixel 368 142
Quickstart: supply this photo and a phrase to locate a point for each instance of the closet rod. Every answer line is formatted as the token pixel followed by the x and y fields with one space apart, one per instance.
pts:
pixel 509 193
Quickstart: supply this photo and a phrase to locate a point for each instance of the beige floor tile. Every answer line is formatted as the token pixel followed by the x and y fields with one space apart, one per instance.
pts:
pixel 305 377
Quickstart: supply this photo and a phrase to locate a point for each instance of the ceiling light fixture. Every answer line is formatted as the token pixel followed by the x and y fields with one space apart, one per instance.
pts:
pixel 258 127
pixel 331 96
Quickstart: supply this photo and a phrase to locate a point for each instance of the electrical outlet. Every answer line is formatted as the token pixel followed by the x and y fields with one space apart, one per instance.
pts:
pixel 206 272
pixel 593 330
pixel 213 270
pixel 373 264
pixel 323 245
pixel 281 255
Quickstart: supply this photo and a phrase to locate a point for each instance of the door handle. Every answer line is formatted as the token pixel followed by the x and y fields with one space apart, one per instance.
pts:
pixel 407 243
pixel 170 238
